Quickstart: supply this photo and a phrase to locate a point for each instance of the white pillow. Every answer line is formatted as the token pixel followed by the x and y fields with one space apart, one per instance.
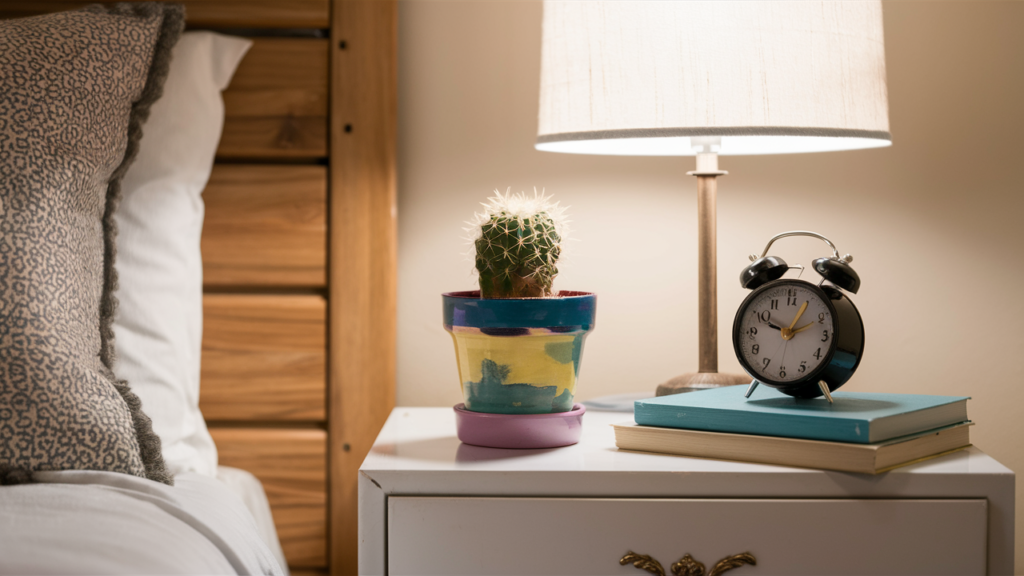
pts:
pixel 159 327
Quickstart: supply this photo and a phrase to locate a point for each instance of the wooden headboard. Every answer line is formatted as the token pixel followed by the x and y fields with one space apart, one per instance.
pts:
pixel 299 251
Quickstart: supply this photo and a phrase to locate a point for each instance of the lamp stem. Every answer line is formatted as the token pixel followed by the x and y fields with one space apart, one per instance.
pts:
pixel 707 376
pixel 707 259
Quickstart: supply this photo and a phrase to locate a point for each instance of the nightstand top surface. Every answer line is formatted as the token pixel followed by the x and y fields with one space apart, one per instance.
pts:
pixel 417 452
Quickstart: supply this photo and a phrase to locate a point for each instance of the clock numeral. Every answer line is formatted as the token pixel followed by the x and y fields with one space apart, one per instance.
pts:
pixel 803 366
pixel 821 318
pixel 818 354
pixel 752 332
pixel 775 305
pixel 824 335
pixel 765 317
pixel 790 301
pixel 767 362
pixel 755 349
pixel 782 371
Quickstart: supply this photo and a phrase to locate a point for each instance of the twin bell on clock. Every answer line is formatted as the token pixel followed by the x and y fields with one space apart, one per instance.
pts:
pixel 804 339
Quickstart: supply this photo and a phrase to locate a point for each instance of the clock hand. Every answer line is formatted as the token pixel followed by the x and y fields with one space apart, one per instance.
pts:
pixel 799 313
pixel 776 353
pixel 804 327
pixel 788 333
pixel 785 347
pixel 770 325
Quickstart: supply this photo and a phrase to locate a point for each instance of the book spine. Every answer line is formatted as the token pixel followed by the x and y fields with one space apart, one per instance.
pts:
pixel 739 422
pixel 854 462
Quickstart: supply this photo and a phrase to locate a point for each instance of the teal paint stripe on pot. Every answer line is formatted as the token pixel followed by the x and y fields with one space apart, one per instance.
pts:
pixel 493 395
pixel 577 352
pixel 561 352
pixel 571 310
pixel 566 352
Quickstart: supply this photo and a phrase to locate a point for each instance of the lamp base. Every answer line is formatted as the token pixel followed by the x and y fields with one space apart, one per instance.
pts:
pixel 695 381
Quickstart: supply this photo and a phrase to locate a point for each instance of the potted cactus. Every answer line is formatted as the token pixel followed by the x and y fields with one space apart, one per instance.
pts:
pixel 517 342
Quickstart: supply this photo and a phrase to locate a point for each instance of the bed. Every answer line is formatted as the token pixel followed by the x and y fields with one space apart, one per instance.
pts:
pixel 299 260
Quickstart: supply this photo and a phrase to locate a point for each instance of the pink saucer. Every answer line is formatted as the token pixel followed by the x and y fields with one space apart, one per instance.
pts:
pixel 519 430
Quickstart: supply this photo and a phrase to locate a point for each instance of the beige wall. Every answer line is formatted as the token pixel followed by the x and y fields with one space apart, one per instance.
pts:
pixel 933 221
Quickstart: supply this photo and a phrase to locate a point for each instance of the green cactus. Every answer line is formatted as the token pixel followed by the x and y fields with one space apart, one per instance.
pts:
pixel 518 242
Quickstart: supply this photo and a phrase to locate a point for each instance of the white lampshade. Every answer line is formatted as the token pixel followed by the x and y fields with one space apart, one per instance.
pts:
pixel 643 78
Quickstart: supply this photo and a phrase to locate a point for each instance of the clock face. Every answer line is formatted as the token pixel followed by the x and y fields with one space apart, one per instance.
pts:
pixel 785 332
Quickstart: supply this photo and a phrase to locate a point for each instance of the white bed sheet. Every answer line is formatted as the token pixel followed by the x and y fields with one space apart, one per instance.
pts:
pixel 91 522
pixel 249 489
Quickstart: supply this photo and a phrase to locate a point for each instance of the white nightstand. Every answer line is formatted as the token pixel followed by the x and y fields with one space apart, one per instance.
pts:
pixel 431 505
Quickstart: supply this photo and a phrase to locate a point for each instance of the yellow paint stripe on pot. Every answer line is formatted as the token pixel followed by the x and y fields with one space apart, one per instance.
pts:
pixel 527 357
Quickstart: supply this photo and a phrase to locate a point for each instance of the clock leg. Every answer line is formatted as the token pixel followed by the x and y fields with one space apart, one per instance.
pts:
pixel 824 390
pixel 750 390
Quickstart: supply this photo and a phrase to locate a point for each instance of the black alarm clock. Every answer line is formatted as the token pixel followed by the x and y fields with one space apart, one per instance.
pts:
pixel 804 339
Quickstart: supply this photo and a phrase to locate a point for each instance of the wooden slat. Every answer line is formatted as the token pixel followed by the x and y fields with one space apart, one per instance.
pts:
pixel 301 101
pixel 292 466
pixel 208 13
pixel 273 138
pixel 362 251
pixel 276 105
pixel 264 357
pixel 265 225
pixel 283 63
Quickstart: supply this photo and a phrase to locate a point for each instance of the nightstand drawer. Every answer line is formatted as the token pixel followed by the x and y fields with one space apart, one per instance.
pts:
pixel 589 536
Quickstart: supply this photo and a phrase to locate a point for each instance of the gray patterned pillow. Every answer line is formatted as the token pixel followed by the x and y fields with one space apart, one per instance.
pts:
pixel 75 88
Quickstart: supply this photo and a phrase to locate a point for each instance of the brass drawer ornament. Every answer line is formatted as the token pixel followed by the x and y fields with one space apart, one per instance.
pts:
pixel 642 562
pixel 687 565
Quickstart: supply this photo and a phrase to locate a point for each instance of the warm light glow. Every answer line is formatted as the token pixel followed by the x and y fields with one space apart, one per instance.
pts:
pixel 769 77
pixel 731 145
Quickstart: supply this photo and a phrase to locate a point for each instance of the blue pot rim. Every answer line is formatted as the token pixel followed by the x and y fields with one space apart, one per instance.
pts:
pixel 569 310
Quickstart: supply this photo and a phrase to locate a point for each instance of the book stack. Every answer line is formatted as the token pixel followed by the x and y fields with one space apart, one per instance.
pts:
pixel 861 432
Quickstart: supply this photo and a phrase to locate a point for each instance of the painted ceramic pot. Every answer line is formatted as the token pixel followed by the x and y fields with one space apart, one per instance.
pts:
pixel 519 355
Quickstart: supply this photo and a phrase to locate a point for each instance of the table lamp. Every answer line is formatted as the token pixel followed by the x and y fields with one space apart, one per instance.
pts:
pixel 689 78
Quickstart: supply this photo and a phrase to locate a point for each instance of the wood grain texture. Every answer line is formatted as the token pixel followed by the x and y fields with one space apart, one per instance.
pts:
pixel 309 572
pixel 265 225
pixel 292 466
pixel 264 357
pixel 363 255
pixel 208 13
pixel 276 105
pixel 273 139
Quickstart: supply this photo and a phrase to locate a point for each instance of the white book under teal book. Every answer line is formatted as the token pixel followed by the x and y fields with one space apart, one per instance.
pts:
pixel 856 417
pixel 844 456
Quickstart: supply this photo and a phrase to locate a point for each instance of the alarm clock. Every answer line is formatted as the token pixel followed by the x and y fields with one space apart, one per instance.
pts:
pixel 804 339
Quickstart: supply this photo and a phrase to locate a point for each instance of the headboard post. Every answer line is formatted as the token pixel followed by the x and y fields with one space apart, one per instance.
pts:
pixel 362 250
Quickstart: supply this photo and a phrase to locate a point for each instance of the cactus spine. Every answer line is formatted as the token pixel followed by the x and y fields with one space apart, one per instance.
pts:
pixel 518 242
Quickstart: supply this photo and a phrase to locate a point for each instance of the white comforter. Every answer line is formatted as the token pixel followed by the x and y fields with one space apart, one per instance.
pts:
pixel 88 522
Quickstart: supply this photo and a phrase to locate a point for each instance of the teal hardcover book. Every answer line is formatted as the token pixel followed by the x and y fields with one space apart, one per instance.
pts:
pixel 859 417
